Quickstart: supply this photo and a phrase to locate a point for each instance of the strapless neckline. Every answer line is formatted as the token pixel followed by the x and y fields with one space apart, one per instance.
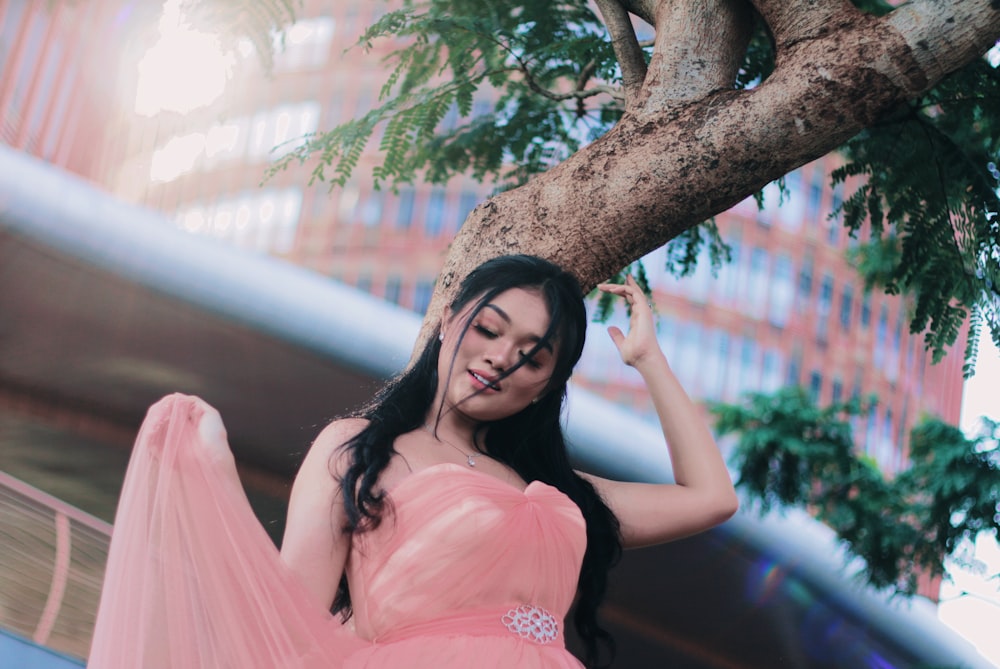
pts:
pixel 445 467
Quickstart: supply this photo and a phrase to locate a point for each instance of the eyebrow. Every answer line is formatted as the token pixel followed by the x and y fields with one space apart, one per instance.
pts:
pixel 533 338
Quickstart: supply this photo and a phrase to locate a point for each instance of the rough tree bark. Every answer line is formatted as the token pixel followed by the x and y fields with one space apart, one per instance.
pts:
pixel 689 146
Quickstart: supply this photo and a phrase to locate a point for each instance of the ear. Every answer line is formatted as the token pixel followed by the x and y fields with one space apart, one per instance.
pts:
pixel 446 318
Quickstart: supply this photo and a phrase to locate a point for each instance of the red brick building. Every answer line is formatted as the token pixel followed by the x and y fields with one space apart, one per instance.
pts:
pixel 788 309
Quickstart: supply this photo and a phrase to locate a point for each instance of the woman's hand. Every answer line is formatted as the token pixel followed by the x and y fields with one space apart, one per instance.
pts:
pixel 640 342
pixel 702 495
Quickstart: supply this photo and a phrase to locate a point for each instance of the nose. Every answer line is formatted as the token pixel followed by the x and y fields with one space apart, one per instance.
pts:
pixel 499 355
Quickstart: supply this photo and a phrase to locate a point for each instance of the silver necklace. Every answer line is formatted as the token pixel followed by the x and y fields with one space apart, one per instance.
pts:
pixel 470 458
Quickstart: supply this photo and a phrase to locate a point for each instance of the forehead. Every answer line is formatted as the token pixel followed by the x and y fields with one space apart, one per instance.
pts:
pixel 524 308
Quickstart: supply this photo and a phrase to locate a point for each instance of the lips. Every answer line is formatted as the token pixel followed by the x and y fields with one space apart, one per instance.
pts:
pixel 486 381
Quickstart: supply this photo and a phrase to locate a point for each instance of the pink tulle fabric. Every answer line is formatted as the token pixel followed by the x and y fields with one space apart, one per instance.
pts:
pixel 465 570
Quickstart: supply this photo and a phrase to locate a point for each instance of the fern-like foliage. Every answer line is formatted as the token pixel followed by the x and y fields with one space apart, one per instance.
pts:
pixel 790 452
pixel 537 69
pixel 929 190
pixel 682 253
pixel 501 90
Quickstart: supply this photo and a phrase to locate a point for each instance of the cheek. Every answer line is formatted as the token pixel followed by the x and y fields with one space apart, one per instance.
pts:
pixel 537 381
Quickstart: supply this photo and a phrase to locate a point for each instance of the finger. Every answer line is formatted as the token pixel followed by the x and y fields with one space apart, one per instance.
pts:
pixel 636 294
pixel 617 336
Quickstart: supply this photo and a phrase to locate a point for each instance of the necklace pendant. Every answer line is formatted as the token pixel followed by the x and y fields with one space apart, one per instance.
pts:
pixel 471 459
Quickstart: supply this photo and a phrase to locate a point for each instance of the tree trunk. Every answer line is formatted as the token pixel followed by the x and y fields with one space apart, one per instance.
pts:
pixel 690 147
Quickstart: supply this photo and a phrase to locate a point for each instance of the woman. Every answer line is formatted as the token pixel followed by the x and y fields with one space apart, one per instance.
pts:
pixel 446 517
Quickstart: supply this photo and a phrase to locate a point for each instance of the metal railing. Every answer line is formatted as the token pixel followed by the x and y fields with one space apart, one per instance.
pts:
pixel 52 558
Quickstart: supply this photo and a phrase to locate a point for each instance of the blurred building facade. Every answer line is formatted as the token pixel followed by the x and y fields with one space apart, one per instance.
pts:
pixel 788 309
pixel 56 76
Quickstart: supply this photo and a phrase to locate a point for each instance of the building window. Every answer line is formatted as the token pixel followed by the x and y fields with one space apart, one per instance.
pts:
pixel 371 209
pixel 805 282
pixel 393 286
pixel 815 386
pixel 348 204
pixel 404 214
pixel 364 281
pixel 794 367
pixel 835 220
pixel 57 122
pixel 741 372
pixel 815 204
pixel 871 433
pixel 43 94
pixel 178 156
pixel 33 36
pixel 758 281
pixel 690 359
pixel 700 281
pixel 792 206
pixel 823 307
pixel 268 134
pixel 893 357
pixel 422 292
pixel 9 28
pixel 434 223
pixel 886 451
pixel 836 200
pixel 304 45
pixel 846 307
pixel 258 220
pixel 716 364
pixel 881 337
pixel 836 391
pixel 467 201
pixel 771 371
pixel 728 281
pixel 666 335
pixel 866 310
pixel 226 141
pixel 782 291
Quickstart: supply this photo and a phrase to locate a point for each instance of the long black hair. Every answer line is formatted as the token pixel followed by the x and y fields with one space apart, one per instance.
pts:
pixel 530 442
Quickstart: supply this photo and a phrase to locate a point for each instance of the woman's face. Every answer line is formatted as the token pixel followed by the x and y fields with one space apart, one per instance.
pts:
pixel 504 330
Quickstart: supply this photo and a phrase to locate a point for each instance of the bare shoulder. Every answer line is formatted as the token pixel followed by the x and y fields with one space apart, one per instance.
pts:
pixel 326 451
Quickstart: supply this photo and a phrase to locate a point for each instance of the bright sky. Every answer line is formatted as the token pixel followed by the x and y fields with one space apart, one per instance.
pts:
pixel 977 616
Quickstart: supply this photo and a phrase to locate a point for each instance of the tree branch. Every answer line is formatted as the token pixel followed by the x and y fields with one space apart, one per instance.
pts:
pixel 698 50
pixel 793 21
pixel 943 36
pixel 630 56
pixel 644 9
pixel 655 175
pixel 579 93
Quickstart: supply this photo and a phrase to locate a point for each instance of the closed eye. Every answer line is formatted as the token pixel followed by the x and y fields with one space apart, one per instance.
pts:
pixel 486 332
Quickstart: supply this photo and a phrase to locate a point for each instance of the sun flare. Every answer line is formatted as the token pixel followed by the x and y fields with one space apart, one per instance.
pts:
pixel 184 70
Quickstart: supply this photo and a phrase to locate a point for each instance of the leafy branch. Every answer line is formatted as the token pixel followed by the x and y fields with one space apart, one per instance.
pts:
pixel 533 67
pixel 790 452
pixel 929 190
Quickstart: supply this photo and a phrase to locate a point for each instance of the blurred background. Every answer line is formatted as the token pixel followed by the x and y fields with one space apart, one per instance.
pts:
pixel 141 254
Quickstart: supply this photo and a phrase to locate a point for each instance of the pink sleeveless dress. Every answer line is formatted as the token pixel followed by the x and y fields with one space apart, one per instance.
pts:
pixel 464 571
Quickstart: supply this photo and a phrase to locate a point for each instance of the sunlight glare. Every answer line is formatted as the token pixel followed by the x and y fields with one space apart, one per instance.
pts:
pixel 185 69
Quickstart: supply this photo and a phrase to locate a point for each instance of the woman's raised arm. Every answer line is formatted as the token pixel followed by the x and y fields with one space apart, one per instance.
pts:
pixel 702 495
